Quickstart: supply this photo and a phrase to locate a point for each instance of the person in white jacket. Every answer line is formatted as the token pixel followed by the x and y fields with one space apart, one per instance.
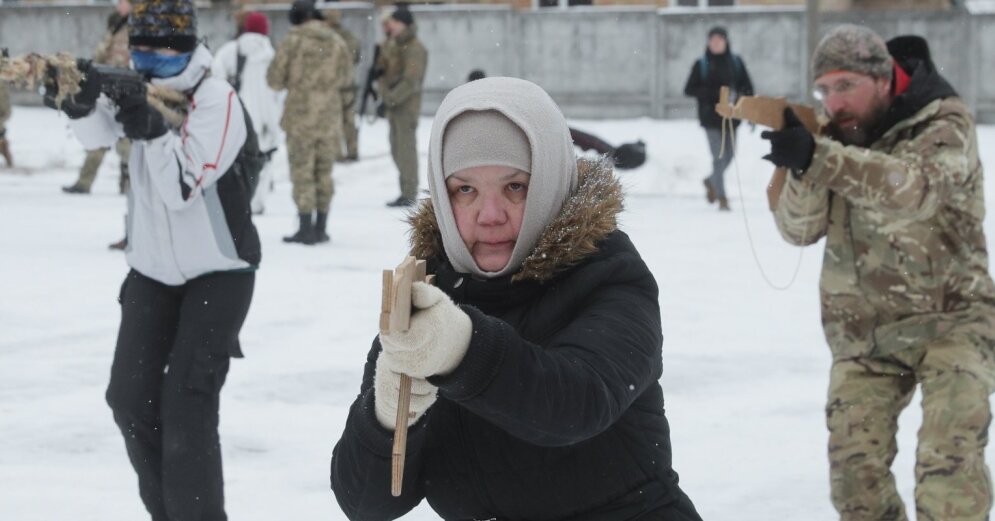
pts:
pixel 243 62
pixel 193 252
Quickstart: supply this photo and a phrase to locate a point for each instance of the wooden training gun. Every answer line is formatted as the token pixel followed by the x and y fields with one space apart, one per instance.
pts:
pixel 395 317
pixel 768 112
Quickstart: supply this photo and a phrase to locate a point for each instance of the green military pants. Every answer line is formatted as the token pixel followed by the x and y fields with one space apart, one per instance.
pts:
pixel 405 151
pixel 311 159
pixel 88 172
pixel 866 395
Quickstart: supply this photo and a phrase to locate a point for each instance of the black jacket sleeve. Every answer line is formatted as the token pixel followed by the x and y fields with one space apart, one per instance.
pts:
pixel 361 460
pixel 581 381
pixel 694 86
pixel 744 86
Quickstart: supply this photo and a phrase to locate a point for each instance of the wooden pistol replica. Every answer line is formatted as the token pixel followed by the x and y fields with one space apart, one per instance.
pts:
pixel 395 317
pixel 768 112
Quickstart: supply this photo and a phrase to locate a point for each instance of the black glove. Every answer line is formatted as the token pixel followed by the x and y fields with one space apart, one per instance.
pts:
pixel 792 146
pixel 82 103
pixel 382 110
pixel 140 121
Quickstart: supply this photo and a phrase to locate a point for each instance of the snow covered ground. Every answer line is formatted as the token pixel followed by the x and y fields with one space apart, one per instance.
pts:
pixel 745 365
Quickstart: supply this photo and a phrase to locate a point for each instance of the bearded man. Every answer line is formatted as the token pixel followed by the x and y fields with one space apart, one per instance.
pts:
pixel 895 185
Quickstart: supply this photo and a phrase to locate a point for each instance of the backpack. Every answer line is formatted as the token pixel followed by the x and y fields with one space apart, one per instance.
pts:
pixel 737 67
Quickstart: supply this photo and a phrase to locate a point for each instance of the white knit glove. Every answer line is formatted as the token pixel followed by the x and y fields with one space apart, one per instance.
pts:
pixel 437 339
pixel 386 386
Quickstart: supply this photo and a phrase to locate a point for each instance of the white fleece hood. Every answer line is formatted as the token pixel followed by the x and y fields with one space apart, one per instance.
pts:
pixel 554 165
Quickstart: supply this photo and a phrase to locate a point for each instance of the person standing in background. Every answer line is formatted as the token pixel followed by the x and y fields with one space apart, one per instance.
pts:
pixel 717 68
pixel 349 129
pixel 4 116
pixel 404 74
pixel 244 62
pixel 309 64
pixel 113 51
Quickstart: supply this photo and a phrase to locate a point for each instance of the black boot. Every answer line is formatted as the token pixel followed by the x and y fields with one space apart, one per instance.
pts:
pixel 305 233
pixel 320 221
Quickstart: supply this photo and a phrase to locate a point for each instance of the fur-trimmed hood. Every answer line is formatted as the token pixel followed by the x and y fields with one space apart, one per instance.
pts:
pixel 589 214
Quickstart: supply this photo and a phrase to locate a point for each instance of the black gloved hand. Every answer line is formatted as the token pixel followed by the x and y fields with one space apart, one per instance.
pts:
pixel 382 110
pixel 792 146
pixel 140 121
pixel 83 102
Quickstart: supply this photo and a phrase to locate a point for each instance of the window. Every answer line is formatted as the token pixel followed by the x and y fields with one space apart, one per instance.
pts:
pixel 563 3
pixel 703 3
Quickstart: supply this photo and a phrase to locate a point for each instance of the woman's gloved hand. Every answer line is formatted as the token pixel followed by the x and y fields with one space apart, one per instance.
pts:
pixel 386 386
pixel 437 339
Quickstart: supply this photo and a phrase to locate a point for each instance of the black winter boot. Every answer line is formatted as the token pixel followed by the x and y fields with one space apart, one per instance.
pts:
pixel 320 222
pixel 305 233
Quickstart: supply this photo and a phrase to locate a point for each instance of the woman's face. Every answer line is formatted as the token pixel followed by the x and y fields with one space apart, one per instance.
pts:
pixel 489 204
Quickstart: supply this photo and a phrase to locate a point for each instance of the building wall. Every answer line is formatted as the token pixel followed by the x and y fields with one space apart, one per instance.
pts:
pixel 595 62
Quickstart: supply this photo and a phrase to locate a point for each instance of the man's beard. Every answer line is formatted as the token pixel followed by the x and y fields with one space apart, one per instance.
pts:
pixel 859 131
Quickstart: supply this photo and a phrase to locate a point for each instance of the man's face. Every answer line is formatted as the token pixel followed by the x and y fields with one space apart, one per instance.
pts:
pixel 124 7
pixel 717 44
pixel 394 27
pixel 854 103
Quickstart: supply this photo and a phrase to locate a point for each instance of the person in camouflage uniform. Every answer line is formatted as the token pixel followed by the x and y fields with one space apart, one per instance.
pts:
pixel 348 91
pixel 312 64
pixel 895 185
pixel 4 116
pixel 404 60
pixel 113 51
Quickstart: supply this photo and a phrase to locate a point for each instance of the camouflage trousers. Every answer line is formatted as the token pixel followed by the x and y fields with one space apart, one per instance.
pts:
pixel 311 158
pixel 88 172
pixel 866 395
pixel 349 129
pixel 404 150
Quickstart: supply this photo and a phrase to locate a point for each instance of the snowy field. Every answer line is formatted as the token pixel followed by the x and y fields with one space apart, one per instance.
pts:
pixel 745 365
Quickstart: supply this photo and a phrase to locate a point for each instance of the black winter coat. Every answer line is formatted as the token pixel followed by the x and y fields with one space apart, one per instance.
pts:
pixel 721 70
pixel 556 411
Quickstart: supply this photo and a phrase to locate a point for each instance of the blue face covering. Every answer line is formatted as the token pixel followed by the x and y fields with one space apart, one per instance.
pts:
pixel 158 65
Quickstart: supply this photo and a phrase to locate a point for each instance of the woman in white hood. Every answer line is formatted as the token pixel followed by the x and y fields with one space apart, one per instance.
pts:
pixel 243 62
pixel 536 358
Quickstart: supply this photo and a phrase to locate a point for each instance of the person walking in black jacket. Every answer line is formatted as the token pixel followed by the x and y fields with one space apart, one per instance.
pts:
pixel 717 68
pixel 536 357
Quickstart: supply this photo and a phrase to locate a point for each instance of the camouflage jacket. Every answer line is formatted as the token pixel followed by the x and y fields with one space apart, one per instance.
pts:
pixel 113 49
pixel 404 59
pixel 350 88
pixel 312 64
pixel 906 258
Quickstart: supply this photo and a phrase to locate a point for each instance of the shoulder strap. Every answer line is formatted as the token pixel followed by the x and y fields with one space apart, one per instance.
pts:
pixel 703 67
pixel 239 67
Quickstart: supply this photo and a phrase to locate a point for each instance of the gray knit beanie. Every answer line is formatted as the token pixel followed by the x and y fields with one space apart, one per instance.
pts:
pixel 852 48
pixel 484 138
pixel 468 121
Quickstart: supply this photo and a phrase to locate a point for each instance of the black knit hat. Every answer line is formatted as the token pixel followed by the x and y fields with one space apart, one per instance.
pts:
pixel 718 30
pixel 302 11
pixel 163 23
pixel 403 15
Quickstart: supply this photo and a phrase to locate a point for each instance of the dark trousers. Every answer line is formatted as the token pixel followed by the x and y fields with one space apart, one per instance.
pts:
pixel 171 360
pixel 720 158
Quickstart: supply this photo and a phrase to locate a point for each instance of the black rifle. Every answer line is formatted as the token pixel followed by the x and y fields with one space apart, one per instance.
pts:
pixel 117 83
pixel 372 75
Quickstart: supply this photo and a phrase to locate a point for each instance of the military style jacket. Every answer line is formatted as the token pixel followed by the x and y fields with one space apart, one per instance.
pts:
pixel 405 60
pixel 906 259
pixel 312 64
pixel 113 49
pixel 349 88
pixel 556 411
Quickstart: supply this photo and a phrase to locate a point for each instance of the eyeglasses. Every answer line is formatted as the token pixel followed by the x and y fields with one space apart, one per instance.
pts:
pixel 844 87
